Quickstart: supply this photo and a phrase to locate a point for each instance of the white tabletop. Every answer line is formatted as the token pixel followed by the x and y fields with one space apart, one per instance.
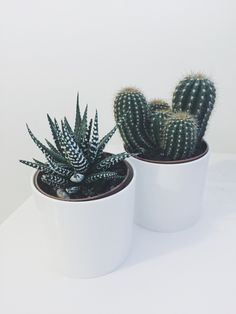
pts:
pixel 189 272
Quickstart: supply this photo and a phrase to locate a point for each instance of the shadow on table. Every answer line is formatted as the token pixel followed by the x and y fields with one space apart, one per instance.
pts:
pixel 220 204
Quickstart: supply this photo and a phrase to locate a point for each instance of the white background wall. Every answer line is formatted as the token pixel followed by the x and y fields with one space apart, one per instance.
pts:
pixel 52 48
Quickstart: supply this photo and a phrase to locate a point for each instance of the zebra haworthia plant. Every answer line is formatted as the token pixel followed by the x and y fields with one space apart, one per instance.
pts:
pixel 76 165
pixel 162 132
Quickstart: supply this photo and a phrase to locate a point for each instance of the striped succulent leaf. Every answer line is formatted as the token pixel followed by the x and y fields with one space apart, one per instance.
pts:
pixel 86 141
pixel 55 133
pixel 59 169
pixel 44 149
pixel 110 161
pixel 104 175
pixel 39 166
pixel 54 181
pixel 104 141
pixel 52 147
pixel 42 164
pixel 61 139
pixel 68 127
pixel 80 134
pixel 93 147
pixel 73 151
pixel 77 117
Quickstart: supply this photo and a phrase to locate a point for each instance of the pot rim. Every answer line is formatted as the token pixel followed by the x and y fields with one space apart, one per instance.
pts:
pixel 176 162
pixel 118 188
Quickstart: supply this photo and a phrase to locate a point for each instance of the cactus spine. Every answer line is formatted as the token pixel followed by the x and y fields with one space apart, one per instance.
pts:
pixel 179 136
pixel 195 94
pixel 131 104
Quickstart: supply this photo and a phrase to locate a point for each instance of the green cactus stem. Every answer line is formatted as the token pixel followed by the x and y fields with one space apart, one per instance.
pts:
pixel 160 111
pixel 196 95
pixel 131 104
pixel 179 136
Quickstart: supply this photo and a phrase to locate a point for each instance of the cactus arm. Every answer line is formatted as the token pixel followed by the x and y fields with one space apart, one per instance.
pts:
pixel 195 95
pixel 205 115
pixel 134 129
pixel 179 136
pixel 181 94
pixel 157 122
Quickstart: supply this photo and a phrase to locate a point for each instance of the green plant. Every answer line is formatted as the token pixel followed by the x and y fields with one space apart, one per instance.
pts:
pixel 160 132
pixel 179 136
pixel 196 95
pixel 134 129
pixel 159 113
pixel 76 165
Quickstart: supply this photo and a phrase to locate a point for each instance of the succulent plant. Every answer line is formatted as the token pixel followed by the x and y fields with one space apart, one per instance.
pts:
pixel 76 165
pixel 179 136
pixel 196 95
pixel 134 129
pixel 160 132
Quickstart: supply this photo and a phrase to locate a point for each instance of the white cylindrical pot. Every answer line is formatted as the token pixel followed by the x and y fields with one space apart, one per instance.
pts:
pixel 91 237
pixel 169 195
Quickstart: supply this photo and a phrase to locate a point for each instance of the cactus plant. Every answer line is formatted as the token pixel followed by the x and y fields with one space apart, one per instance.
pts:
pixel 76 166
pixel 179 136
pixel 134 129
pixel 162 132
pixel 196 95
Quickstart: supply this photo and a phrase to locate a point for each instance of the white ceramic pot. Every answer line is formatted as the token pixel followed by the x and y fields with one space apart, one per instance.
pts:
pixel 169 195
pixel 93 236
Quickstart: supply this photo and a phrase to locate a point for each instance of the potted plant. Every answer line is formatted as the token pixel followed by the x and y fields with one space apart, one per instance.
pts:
pixel 173 156
pixel 86 194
